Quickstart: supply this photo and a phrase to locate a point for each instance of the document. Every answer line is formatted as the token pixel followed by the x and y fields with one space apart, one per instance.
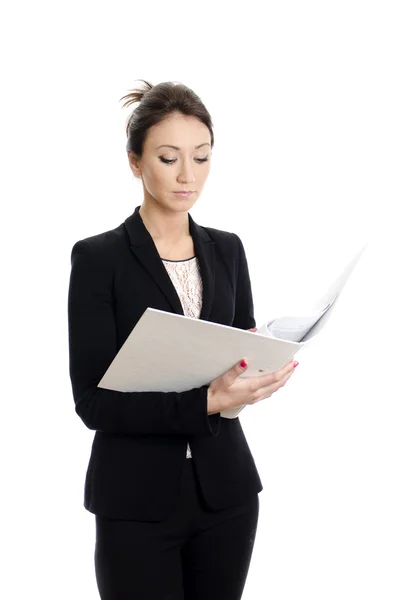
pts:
pixel 304 327
pixel 171 352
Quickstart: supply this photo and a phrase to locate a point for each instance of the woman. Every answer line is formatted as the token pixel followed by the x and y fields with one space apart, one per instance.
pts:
pixel 173 486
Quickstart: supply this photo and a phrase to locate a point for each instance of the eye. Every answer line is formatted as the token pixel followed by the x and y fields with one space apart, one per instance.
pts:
pixel 171 161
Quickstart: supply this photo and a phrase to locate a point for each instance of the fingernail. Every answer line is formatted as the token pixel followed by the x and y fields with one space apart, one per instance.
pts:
pixel 295 364
pixel 243 364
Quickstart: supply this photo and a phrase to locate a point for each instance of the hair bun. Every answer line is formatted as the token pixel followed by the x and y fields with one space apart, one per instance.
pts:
pixel 136 94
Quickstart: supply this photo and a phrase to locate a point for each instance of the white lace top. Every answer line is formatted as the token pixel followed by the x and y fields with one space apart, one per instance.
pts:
pixel 185 275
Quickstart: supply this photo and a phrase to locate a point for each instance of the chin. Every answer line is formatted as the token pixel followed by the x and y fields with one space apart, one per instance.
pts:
pixel 182 203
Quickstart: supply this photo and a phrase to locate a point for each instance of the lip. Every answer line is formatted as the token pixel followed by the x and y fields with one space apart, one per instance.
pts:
pixel 183 193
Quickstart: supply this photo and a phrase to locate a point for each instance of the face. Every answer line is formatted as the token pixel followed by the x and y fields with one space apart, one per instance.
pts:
pixel 166 170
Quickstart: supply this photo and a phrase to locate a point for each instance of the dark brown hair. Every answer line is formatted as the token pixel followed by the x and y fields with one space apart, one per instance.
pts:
pixel 158 103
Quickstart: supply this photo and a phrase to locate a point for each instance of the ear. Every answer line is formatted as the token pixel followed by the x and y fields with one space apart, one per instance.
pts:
pixel 134 164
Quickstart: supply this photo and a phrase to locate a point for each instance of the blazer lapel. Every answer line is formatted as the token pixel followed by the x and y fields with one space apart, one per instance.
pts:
pixel 144 249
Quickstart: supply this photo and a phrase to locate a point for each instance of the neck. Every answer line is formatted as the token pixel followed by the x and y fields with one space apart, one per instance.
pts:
pixel 164 225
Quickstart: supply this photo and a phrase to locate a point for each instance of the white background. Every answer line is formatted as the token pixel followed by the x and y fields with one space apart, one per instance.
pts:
pixel 303 99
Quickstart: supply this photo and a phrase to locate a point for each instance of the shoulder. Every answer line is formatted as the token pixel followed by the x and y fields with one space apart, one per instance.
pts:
pixel 227 240
pixel 222 237
pixel 102 246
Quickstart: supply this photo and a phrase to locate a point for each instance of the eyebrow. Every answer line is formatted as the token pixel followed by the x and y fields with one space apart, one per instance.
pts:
pixel 177 147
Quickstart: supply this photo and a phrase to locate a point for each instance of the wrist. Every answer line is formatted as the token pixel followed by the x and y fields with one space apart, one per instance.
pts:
pixel 212 404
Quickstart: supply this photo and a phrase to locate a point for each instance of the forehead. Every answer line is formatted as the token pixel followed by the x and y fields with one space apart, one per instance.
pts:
pixel 179 130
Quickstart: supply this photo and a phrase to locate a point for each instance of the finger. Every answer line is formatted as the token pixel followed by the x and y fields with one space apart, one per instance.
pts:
pixel 230 376
pixel 260 381
pixel 267 391
pixel 289 367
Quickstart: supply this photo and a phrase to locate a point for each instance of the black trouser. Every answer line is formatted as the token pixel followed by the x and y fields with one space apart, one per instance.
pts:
pixel 194 554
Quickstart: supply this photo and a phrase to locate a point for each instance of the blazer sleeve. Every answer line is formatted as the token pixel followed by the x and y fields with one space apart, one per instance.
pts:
pixel 244 305
pixel 92 347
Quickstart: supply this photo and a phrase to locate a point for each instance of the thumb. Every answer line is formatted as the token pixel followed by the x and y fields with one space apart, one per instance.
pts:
pixel 234 372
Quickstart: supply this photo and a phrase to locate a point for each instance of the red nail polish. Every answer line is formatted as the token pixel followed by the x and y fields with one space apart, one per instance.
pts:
pixel 243 364
pixel 295 364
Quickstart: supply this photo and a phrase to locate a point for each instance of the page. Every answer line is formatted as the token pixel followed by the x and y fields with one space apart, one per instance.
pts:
pixel 339 283
pixel 301 328
pixel 293 328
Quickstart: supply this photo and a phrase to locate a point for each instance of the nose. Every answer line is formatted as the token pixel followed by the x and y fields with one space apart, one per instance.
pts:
pixel 186 173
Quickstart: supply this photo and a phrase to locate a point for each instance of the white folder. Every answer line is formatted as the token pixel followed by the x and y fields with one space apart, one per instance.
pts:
pixel 171 352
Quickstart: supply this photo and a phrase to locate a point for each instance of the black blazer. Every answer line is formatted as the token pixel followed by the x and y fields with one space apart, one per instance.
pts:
pixel 139 447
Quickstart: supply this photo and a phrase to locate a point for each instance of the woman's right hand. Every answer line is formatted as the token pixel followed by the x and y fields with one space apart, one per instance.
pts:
pixel 227 391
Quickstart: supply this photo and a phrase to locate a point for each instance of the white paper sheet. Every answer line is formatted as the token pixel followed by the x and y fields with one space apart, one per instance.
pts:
pixel 303 327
